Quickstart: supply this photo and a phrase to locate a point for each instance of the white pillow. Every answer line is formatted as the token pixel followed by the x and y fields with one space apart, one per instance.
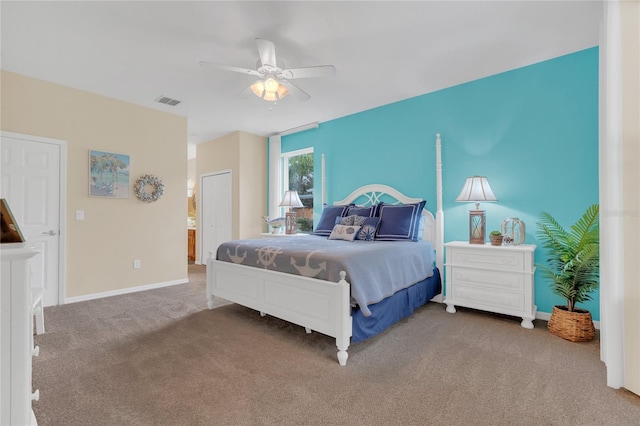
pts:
pixel 344 232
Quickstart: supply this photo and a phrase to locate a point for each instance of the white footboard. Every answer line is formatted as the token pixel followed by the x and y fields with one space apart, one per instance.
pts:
pixel 317 305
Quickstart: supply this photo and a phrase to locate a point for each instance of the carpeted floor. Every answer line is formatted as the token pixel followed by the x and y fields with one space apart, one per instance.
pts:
pixel 161 358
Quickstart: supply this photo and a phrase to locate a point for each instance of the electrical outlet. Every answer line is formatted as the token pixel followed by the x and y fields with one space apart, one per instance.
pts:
pixel 136 264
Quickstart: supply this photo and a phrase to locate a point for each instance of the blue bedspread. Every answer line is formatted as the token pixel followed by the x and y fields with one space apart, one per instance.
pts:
pixel 375 269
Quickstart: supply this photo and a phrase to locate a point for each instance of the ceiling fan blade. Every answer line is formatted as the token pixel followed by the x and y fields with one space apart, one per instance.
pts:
pixel 309 72
pixel 295 91
pixel 230 68
pixel 267 52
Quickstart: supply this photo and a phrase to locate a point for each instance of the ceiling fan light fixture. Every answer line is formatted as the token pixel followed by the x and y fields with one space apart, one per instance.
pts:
pixel 269 89
pixel 282 91
pixel 270 96
pixel 271 85
pixel 258 88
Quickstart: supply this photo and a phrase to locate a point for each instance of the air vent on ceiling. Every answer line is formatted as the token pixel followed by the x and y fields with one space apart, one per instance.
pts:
pixel 168 101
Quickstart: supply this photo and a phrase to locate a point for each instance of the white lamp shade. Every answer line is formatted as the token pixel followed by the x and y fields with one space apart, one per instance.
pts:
pixel 476 189
pixel 291 199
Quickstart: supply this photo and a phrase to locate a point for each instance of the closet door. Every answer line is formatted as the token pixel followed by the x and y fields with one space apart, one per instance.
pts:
pixel 214 212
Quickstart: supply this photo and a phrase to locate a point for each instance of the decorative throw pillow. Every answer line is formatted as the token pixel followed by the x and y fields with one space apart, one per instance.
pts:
pixel 344 232
pixel 399 222
pixel 328 219
pixel 368 229
pixel 359 220
pixel 350 220
pixel 367 233
pixel 346 220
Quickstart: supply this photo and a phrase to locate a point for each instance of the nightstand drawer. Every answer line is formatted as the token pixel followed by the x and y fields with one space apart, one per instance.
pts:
pixel 508 260
pixel 488 300
pixel 505 281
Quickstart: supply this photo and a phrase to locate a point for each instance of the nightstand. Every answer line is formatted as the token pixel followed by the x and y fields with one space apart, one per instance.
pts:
pixel 491 278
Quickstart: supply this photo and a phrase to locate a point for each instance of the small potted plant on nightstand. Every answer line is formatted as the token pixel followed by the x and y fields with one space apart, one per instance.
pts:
pixel 574 270
pixel 496 238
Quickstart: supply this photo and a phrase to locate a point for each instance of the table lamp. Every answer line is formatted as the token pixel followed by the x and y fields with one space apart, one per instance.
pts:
pixel 476 189
pixel 291 199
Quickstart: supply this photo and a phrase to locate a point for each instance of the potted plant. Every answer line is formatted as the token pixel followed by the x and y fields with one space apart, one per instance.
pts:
pixel 274 224
pixel 275 228
pixel 496 238
pixel 573 267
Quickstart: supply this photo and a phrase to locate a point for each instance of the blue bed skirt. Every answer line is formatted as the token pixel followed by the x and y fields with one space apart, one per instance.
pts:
pixel 392 309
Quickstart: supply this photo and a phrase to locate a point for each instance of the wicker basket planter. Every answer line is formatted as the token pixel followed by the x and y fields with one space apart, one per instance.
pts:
pixel 574 326
pixel 496 240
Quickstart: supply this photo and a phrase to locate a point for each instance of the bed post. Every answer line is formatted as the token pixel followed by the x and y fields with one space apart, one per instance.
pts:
pixel 323 182
pixel 210 275
pixel 439 212
pixel 344 332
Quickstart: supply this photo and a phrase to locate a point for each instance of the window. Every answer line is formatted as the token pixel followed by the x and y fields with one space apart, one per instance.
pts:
pixel 297 175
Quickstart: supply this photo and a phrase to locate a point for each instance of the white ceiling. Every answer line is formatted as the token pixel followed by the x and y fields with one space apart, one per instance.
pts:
pixel 383 51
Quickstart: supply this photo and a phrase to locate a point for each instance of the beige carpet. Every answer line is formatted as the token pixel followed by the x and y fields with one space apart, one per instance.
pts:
pixel 161 358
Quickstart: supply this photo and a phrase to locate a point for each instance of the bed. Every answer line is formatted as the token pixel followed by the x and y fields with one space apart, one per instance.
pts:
pixel 318 292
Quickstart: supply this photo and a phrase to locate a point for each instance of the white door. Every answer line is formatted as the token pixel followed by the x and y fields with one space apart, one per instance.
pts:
pixel 215 212
pixel 30 182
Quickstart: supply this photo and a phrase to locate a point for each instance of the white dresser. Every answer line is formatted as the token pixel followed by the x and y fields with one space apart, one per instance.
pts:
pixel 16 337
pixel 491 278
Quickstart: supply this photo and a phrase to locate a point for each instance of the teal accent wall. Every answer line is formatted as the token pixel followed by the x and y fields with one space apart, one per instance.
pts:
pixel 532 131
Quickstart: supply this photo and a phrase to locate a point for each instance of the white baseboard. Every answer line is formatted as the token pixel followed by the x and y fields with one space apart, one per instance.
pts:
pixel 124 291
pixel 545 316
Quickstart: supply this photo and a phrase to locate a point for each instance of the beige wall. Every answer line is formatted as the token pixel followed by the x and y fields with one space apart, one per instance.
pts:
pixel 246 156
pixel 630 20
pixel 101 249
pixel 253 185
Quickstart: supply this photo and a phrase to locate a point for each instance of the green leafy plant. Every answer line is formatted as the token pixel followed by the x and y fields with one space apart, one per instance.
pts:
pixel 573 263
pixel 495 234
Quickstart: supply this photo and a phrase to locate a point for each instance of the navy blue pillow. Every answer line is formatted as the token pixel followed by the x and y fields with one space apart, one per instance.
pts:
pixel 376 209
pixel 328 219
pixel 399 222
pixel 361 211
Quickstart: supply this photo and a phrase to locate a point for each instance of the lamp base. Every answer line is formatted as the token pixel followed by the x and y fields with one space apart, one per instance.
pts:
pixel 291 223
pixel 477 226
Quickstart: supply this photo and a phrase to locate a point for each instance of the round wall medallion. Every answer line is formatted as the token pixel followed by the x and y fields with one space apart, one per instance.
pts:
pixel 148 188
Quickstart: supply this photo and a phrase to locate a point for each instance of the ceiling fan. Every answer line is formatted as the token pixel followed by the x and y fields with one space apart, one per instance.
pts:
pixel 274 82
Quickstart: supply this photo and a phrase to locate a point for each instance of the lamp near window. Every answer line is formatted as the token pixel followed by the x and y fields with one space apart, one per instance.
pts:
pixel 291 200
pixel 476 189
